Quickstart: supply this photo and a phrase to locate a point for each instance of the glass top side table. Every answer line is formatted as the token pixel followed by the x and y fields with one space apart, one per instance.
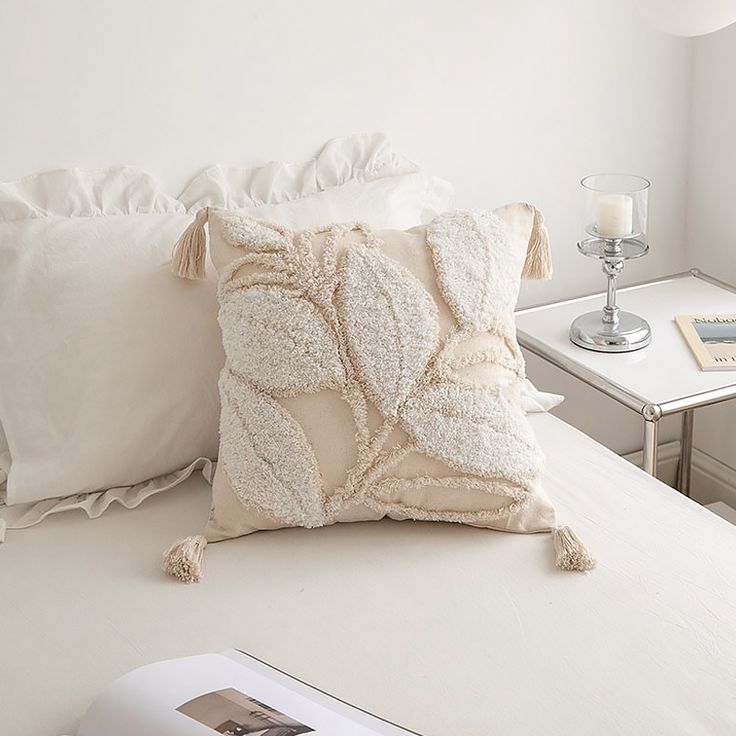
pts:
pixel 656 381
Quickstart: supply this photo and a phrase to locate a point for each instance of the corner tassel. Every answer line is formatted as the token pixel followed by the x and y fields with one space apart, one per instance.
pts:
pixel 183 560
pixel 571 554
pixel 190 250
pixel 538 263
pixel 3 527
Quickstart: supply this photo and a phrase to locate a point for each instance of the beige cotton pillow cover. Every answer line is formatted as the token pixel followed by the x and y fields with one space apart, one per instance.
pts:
pixel 372 374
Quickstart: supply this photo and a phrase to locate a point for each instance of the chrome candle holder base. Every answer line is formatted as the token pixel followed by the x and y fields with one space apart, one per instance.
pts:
pixel 611 330
pixel 630 332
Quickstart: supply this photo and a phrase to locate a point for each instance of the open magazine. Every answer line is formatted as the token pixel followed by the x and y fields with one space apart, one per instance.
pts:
pixel 229 693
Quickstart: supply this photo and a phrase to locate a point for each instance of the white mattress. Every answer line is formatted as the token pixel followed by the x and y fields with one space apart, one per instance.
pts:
pixel 445 629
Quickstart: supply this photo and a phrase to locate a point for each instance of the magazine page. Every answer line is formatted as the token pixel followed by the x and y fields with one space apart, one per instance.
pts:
pixel 712 339
pixel 229 693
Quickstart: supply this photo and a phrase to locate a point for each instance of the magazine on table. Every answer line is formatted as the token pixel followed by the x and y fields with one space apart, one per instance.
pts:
pixel 229 693
pixel 712 339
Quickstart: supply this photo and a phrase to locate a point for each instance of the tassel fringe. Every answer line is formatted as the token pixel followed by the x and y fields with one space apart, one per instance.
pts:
pixel 3 527
pixel 538 263
pixel 571 553
pixel 190 251
pixel 183 560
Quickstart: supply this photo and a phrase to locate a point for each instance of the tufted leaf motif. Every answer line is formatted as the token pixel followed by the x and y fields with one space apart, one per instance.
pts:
pixel 252 234
pixel 391 325
pixel 477 267
pixel 266 456
pixel 279 341
pixel 433 506
pixel 473 430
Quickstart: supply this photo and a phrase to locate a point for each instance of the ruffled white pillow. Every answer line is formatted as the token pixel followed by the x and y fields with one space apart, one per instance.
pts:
pixel 108 363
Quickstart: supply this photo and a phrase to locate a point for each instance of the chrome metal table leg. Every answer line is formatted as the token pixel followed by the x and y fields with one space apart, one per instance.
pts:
pixel 684 467
pixel 649 463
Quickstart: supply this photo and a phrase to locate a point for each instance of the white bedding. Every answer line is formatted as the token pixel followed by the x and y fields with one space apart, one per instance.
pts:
pixel 446 629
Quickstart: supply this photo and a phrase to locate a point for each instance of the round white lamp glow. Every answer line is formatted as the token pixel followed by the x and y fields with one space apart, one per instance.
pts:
pixel 688 17
pixel 615 212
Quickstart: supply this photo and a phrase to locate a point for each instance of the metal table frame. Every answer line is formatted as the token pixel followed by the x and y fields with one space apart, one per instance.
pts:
pixel 650 413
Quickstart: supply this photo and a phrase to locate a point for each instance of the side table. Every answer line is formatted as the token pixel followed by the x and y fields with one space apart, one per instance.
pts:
pixel 661 379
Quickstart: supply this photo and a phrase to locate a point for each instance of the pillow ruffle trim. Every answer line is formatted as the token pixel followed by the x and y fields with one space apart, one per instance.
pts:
pixel 127 190
pixel 22 516
pixel 353 158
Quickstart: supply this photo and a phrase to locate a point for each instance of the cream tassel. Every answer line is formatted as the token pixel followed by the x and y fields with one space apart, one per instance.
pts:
pixel 183 560
pixel 190 250
pixel 3 527
pixel 538 263
pixel 571 554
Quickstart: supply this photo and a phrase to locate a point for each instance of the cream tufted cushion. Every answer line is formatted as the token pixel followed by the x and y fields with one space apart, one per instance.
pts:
pixel 373 374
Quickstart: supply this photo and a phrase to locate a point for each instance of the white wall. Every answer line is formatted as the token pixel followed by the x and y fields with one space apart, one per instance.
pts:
pixel 711 222
pixel 508 100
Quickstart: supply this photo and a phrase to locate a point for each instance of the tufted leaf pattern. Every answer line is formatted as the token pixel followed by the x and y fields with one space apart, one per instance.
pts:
pixel 391 325
pixel 478 268
pixel 254 235
pixel 431 506
pixel 473 430
pixel 266 456
pixel 278 340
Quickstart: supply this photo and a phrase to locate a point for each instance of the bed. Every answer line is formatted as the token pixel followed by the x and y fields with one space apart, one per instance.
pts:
pixel 474 632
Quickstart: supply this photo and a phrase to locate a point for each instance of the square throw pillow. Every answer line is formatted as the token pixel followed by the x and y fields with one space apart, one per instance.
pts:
pixel 372 374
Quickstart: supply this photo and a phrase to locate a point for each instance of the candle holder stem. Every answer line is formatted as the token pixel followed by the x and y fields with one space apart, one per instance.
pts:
pixel 611 311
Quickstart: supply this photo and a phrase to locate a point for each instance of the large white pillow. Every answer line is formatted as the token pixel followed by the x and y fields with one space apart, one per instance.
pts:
pixel 108 363
pixel 101 378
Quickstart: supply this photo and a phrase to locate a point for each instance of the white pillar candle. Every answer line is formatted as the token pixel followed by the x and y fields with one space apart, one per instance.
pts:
pixel 615 216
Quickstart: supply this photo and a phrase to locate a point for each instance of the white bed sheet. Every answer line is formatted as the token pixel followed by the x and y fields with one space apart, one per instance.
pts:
pixel 446 629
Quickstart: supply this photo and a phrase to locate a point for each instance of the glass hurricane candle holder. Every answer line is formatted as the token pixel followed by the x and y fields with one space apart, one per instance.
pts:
pixel 615 212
